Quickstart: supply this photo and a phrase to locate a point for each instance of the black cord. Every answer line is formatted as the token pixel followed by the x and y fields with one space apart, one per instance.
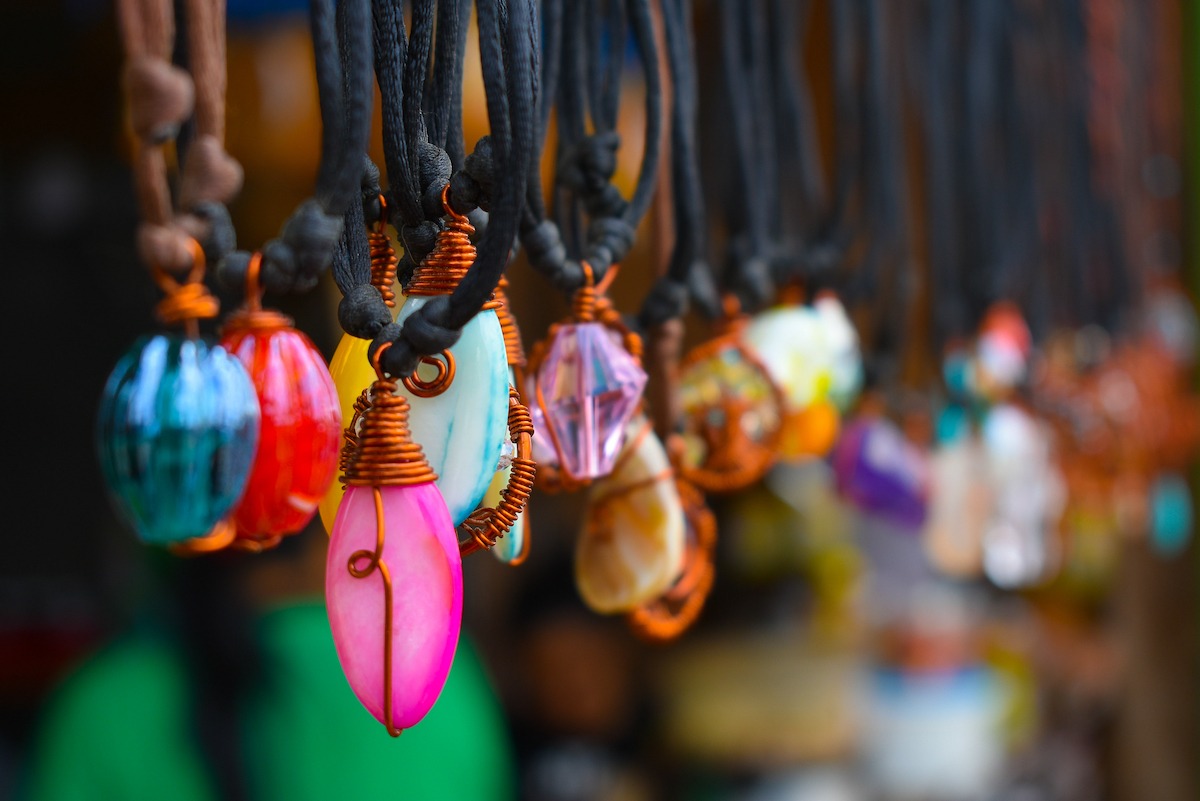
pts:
pixel 936 40
pixel 493 177
pixel 304 250
pixel 591 220
pixel 688 274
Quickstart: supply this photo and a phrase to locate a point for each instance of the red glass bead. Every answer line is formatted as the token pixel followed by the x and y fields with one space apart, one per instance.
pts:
pixel 301 430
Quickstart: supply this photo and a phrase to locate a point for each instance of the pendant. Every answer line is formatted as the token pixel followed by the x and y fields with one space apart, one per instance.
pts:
pixel 881 472
pixel 1029 498
pixel 177 433
pixel 1171 514
pixel 301 427
pixel 393 577
pixel 733 412
pixel 585 383
pixel 403 598
pixel 960 506
pixel 631 547
pixel 813 356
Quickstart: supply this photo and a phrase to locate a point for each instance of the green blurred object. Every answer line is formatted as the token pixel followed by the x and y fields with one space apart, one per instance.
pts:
pixel 117 728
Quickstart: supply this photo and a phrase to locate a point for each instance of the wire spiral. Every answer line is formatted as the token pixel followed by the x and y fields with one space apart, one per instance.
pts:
pixel 384 263
pixel 384 453
pixel 671 614
pixel 485 526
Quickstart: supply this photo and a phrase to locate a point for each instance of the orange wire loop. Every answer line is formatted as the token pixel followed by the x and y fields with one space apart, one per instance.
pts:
pixel 485 526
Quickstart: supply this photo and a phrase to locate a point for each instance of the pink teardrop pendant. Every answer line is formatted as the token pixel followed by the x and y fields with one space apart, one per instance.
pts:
pixel 393 577
pixel 395 606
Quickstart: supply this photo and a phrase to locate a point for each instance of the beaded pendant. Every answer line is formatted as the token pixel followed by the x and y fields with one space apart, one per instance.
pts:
pixel 587 381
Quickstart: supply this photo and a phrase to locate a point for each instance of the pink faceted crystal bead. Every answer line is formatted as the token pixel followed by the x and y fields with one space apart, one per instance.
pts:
pixel 590 388
pixel 420 551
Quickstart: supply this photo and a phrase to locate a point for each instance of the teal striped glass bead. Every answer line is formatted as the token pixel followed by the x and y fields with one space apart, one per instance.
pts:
pixel 176 433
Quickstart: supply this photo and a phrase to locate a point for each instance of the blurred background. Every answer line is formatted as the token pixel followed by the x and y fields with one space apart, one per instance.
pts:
pixel 838 658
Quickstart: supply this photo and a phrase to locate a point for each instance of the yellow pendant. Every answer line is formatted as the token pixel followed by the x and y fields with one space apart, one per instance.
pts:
pixel 631 548
pixel 352 373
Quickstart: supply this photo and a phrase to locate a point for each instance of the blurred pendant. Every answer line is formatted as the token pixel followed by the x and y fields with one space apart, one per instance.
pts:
pixel 1171 515
pixel 881 472
pixel 671 613
pixel 733 412
pixel 959 508
pixel 1029 496
pixel 631 547
pixel 177 431
pixel 301 427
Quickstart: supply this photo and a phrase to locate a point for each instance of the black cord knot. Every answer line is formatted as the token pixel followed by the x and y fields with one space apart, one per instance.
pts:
pixel 667 300
pixel 312 235
pixel 362 312
pixel 588 165
pixel 425 332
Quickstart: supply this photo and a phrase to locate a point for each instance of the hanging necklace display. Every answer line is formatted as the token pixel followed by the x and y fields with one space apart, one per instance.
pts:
pixel 393 578
pixel 806 339
pixel 178 420
pixel 585 380
pixel 585 376
pixel 459 412
pixel 672 611
pixel 732 408
pixel 301 428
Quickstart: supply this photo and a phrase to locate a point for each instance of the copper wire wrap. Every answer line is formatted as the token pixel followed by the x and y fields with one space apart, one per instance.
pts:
pixel 350 436
pixel 385 454
pixel 733 460
pixel 671 614
pixel 384 263
pixel 447 264
pixel 508 326
pixel 219 538
pixel 444 364
pixel 484 526
pixel 251 315
pixel 374 561
pixel 589 304
pixel 189 301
